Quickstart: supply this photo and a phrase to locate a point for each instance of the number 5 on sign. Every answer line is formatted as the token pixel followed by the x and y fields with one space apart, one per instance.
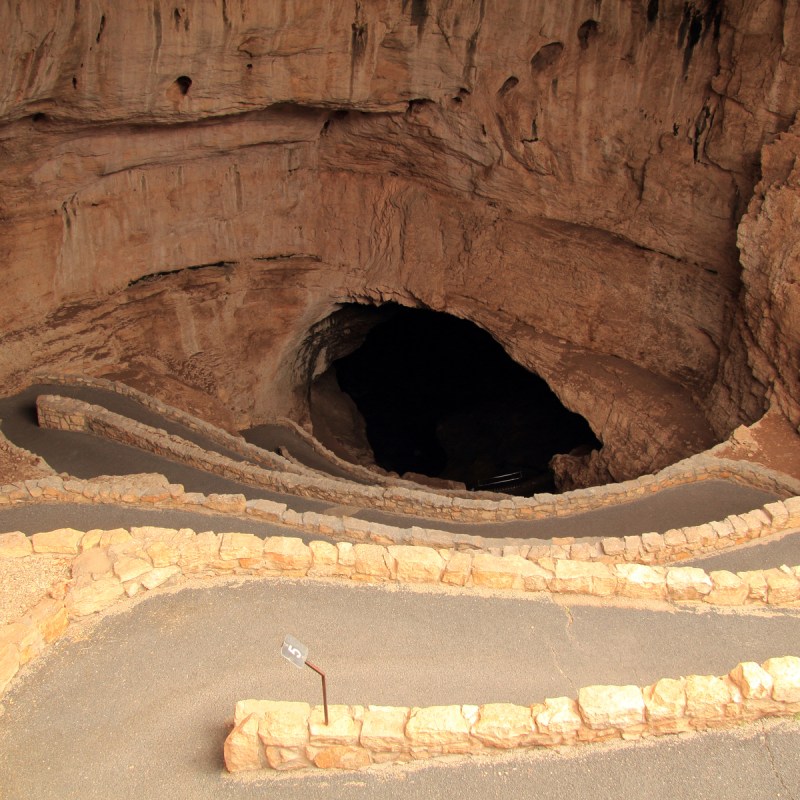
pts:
pixel 294 651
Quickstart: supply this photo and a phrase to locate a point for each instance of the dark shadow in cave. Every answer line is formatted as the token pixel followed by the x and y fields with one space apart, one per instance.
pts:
pixel 440 397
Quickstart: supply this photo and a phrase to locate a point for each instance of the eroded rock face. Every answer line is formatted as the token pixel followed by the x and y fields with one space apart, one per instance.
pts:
pixel 190 191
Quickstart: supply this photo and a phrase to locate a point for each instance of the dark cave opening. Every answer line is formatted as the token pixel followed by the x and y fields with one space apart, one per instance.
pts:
pixel 440 397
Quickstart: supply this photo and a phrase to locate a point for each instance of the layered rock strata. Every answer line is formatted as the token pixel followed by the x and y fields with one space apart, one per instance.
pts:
pixel 188 192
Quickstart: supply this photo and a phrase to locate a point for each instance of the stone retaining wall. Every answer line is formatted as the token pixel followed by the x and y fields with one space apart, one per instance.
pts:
pixel 286 736
pixel 222 437
pixel 154 491
pixel 68 414
pixel 110 565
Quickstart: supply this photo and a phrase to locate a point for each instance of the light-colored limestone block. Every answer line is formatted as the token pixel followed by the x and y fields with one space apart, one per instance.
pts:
pixel 458 568
pixel 504 725
pixel 9 664
pixel 243 749
pixel 584 577
pixel 383 728
pixel 757 584
pixel 129 568
pixel 417 564
pixel 641 581
pixel 782 587
pixel 343 728
pixel 496 572
pixel 611 706
pixel 15 545
pixel 163 553
pixel 288 555
pixel 340 757
pixel 785 673
pixel 688 583
pixel 285 759
pixel 284 724
pixel 347 554
pixel 159 576
pixel 324 559
pixel 87 596
pixel 50 618
pixel 66 541
pixel 441 727
pixel 538 578
pixel 559 716
pixel 198 553
pixel 371 563
pixel 729 589
pixel 707 697
pixel 240 545
pixel 752 680
pixel 665 700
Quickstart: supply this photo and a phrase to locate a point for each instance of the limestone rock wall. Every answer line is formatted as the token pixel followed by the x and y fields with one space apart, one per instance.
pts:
pixel 284 735
pixel 189 189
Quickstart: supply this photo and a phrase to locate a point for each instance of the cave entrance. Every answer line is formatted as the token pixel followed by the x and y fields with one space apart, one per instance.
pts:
pixel 437 396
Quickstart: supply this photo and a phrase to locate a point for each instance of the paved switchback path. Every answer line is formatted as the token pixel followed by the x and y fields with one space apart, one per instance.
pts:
pixel 137 705
pixel 87 456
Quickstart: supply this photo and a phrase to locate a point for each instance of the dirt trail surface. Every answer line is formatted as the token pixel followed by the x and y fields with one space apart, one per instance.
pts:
pixel 135 704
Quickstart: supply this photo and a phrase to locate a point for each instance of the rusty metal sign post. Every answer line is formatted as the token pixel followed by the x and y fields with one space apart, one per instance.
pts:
pixel 295 652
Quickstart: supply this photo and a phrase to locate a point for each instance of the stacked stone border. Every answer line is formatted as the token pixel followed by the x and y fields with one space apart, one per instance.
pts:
pixel 222 437
pixel 772 520
pixel 74 415
pixel 278 735
pixel 109 565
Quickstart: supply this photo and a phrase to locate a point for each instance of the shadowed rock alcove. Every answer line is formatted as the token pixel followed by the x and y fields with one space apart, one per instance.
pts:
pixel 433 395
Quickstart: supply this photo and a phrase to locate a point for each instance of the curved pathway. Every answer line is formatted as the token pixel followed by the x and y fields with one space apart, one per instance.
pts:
pixel 87 456
pixel 137 705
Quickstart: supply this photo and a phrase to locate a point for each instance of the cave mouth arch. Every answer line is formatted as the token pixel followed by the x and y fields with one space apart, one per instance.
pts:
pixel 433 395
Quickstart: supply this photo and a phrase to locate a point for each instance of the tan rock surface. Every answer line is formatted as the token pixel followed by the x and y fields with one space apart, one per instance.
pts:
pixel 641 581
pixel 570 184
pixel 504 725
pixel 89 596
pixel 384 728
pixel 611 706
pixel 443 728
pixel 688 583
pixel 15 544
pixel 343 728
pixel 417 564
pixel 707 696
pixel 9 663
pixel 65 541
pixel 665 700
pixel 729 589
pixel 283 724
pixel 341 757
pixel 752 680
pixel 288 555
pixel 560 716
pixel 785 673
pixel 584 577
pixel 243 749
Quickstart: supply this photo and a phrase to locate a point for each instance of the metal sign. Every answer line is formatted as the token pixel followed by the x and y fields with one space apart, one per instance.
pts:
pixel 294 651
